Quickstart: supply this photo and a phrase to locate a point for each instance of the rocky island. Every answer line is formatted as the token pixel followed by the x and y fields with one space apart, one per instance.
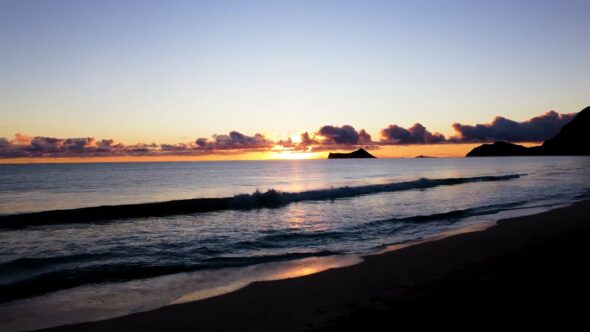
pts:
pixel 360 153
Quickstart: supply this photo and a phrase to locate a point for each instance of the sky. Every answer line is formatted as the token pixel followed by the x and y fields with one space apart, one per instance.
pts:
pixel 171 72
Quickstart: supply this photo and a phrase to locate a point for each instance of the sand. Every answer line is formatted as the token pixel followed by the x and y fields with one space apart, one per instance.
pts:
pixel 526 272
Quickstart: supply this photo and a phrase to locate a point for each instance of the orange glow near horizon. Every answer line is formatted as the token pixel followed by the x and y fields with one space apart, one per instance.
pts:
pixel 432 150
pixel 388 151
pixel 294 155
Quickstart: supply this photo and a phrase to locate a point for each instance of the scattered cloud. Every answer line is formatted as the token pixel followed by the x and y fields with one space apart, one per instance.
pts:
pixel 23 146
pixel 328 137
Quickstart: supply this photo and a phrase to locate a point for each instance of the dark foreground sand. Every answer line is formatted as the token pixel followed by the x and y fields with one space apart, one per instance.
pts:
pixel 528 272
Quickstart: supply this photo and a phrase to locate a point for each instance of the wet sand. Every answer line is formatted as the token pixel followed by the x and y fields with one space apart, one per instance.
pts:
pixel 526 272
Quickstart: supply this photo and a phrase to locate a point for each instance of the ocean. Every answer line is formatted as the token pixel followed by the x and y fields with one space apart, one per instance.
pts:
pixel 130 237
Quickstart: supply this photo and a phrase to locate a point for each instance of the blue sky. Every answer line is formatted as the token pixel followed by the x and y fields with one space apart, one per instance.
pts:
pixel 172 71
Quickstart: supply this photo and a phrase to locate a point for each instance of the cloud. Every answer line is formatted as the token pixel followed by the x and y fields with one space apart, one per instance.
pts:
pixel 22 139
pixel 364 137
pixel 536 129
pixel 303 143
pixel 234 140
pixel 339 135
pixel 4 143
pixel 417 134
pixel 345 135
pixel 328 137
pixel 306 140
pixel 23 146
pixel 40 146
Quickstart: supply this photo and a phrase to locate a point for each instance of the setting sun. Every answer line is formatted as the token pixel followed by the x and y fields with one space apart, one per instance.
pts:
pixel 280 152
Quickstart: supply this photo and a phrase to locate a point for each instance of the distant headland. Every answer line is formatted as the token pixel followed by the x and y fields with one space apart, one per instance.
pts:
pixel 572 140
pixel 360 153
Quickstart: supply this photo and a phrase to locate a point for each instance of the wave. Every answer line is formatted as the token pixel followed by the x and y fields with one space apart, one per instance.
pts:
pixel 583 195
pixel 270 199
pixel 45 275
pixel 455 215
pixel 120 272
pixel 287 238
pixel 38 262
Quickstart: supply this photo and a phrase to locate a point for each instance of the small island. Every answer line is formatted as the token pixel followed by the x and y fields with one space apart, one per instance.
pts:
pixel 360 153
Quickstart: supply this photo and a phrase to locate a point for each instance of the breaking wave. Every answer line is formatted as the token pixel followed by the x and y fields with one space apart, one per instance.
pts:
pixel 270 199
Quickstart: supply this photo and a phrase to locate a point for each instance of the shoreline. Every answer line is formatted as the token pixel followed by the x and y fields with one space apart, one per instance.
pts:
pixel 195 286
pixel 360 293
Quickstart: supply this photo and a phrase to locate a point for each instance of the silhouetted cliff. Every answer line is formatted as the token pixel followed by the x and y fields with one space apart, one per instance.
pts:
pixel 573 139
pixel 499 149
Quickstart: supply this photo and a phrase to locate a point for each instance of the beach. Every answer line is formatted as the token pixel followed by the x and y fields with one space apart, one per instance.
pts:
pixel 294 165
pixel 526 272
pixel 98 241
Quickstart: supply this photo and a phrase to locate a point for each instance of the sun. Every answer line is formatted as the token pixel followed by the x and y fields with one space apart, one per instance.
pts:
pixel 295 138
pixel 280 152
pixel 297 155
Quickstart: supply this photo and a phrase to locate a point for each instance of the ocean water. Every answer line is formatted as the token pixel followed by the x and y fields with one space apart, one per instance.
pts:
pixel 230 223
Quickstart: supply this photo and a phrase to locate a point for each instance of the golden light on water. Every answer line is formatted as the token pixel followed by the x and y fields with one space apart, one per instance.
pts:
pixel 268 272
pixel 312 265
pixel 280 152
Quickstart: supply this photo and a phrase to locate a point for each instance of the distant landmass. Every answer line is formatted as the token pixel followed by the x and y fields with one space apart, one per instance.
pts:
pixel 572 140
pixel 423 156
pixel 360 153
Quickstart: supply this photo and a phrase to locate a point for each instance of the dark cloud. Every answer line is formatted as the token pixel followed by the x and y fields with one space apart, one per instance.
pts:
pixel 24 146
pixel 48 144
pixel 339 135
pixel 180 147
pixel 201 142
pixel 4 143
pixel 235 140
pixel 107 145
pixel 345 135
pixel 536 129
pixel 306 140
pixel 417 134
pixel 364 137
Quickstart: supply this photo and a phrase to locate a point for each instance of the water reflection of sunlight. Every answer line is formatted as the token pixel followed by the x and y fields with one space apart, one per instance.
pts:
pixel 299 217
pixel 274 271
pixel 296 216
pixel 313 265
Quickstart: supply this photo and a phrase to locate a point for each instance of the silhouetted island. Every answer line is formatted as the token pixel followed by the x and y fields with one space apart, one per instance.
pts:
pixel 423 156
pixel 572 140
pixel 360 153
